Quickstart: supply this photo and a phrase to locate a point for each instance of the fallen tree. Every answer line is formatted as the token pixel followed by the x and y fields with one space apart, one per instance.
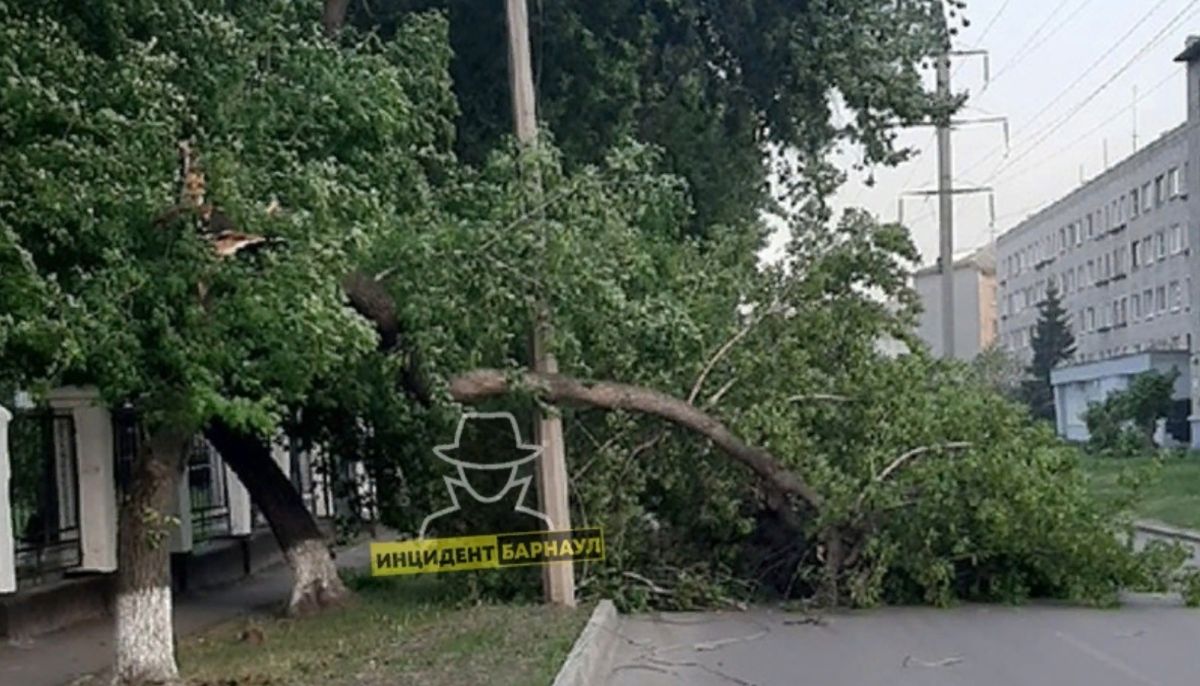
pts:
pixel 944 520
pixel 480 384
pixel 316 584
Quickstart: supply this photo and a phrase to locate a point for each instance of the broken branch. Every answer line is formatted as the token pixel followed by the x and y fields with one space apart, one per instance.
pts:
pixel 481 384
pixel 917 452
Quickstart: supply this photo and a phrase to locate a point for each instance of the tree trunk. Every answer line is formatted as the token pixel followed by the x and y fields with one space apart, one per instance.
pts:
pixel 333 16
pixel 145 638
pixel 316 583
pixel 486 383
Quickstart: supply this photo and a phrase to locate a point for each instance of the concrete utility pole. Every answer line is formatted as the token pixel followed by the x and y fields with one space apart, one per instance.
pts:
pixel 945 211
pixel 558 580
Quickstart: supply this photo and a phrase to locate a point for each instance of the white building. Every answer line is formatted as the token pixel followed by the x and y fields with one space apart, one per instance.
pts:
pixel 974 304
pixel 1119 249
pixel 62 469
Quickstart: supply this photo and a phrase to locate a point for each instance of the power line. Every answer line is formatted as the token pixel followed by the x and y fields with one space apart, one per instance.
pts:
pixel 1086 72
pixel 986 29
pixel 1058 124
pixel 1083 75
pixel 1022 54
pixel 1032 37
pixel 1100 89
pixel 1102 124
pixel 1077 140
pixel 991 23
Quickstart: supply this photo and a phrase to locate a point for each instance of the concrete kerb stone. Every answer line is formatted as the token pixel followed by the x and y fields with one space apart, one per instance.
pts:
pixel 587 663
pixel 1158 528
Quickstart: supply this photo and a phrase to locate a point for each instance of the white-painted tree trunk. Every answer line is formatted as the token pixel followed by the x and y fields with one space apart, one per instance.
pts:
pixel 317 584
pixel 145 646
pixel 145 637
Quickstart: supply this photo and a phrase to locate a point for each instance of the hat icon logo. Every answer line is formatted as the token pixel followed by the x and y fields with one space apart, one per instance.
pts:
pixel 487 442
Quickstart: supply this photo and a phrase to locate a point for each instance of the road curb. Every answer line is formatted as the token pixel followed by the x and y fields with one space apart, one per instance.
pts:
pixel 586 663
pixel 1160 529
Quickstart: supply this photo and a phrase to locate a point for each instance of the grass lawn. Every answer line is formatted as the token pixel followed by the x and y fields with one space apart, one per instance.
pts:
pixel 1170 494
pixel 398 631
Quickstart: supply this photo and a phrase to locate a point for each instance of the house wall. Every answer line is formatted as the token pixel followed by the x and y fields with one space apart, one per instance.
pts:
pixel 1107 260
pixel 1078 386
pixel 971 316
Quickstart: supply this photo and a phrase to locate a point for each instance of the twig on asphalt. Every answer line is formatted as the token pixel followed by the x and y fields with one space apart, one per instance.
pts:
pixel 721 643
pixel 909 659
pixel 701 666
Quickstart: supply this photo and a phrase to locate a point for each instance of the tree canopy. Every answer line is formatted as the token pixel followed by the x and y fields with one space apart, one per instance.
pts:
pixel 355 151
pixel 717 85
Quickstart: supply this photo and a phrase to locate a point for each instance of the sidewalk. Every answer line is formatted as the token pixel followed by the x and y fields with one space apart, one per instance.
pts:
pixel 1146 530
pixel 69 656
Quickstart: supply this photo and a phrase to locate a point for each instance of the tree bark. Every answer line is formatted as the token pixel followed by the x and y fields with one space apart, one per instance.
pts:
pixel 145 639
pixel 368 297
pixel 316 584
pixel 485 383
pixel 333 16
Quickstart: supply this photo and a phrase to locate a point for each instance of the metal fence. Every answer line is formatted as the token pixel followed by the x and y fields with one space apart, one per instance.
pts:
pixel 45 493
pixel 208 490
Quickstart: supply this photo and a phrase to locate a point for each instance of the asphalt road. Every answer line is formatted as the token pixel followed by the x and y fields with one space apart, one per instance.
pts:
pixel 1150 641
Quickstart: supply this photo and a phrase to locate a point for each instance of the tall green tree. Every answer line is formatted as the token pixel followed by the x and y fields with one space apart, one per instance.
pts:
pixel 1052 343
pixel 321 148
pixel 717 84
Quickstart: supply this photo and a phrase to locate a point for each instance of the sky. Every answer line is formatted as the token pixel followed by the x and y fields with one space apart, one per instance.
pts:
pixel 1063 72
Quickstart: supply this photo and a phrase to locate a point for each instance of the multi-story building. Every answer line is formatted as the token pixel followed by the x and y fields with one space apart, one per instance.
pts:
pixel 974 304
pixel 1117 251
pixel 1120 251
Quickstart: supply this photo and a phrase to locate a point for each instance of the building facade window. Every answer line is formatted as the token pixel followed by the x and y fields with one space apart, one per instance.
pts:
pixel 1160 244
pixel 1147 204
pixel 1160 299
pixel 1134 205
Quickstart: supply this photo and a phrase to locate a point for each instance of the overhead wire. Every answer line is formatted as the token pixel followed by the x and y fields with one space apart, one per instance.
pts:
pixel 1141 96
pixel 1022 51
pixel 1183 15
pixel 1086 72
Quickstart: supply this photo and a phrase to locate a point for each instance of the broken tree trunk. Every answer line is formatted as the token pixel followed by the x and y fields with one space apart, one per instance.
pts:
pixel 145 640
pixel 485 383
pixel 316 584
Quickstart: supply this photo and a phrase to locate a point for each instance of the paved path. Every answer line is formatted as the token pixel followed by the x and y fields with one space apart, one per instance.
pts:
pixel 1150 642
pixel 70 655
